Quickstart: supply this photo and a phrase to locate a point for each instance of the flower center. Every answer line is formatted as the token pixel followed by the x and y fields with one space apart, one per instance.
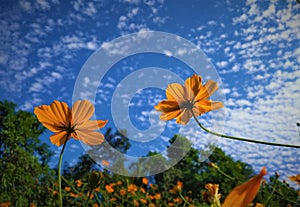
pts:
pixel 187 104
pixel 69 128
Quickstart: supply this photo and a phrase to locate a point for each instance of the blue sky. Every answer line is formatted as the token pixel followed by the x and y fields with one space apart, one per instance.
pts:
pixel 253 45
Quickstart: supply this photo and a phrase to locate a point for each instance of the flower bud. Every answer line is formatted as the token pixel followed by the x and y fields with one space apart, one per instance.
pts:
pixel 95 179
pixel 211 164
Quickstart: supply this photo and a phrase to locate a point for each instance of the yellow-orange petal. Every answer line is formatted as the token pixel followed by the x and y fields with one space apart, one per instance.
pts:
pixel 82 110
pixel 54 116
pixel 208 105
pixel 58 138
pixel 102 123
pixel 167 106
pixel 209 88
pixel 44 116
pixel 89 125
pixel 177 92
pixel 243 195
pixel 184 116
pixel 295 178
pixel 165 116
pixel 90 137
pixel 61 111
pixel 193 84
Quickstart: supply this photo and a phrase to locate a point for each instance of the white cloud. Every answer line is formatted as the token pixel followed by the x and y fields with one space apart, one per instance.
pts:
pixel 42 4
pixel 222 64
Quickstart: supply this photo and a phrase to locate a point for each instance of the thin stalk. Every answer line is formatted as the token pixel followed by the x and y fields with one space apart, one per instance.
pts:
pixel 183 198
pixel 70 184
pixel 226 175
pixel 272 193
pixel 241 138
pixel 89 196
pixel 59 171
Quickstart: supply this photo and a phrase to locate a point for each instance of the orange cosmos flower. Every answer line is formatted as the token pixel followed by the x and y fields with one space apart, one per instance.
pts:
pixel 122 192
pixel 132 188
pixel 295 178
pixel 213 196
pixel 182 100
pixel 242 195
pixel 110 188
pixel 145 181
pixel 5 204
pixel 59 118
pixel 179 185
pixel 78 183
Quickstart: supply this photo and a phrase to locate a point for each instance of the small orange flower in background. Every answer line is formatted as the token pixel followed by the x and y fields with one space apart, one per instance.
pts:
pixel 179 185
pixel 182 100
pixel 213 196
pixel 112 199
pixel 5 204
pixel 132 188
pixel 295 178
pixel 143 200
pixel 142 190
pixel 55 192
pixel 157 196
pixel 244 194
pixel 122 192
pixel 74 195
pixel 78 183
pixel 105 163
pixel 177 200
pixel 67 188
pixel 145 181
pixel 59 118
pixel 119 182
pixel 110 188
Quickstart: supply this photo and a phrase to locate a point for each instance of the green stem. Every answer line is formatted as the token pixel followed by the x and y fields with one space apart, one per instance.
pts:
pixel 59 171
pixel 272 193
pixel 228 176
pixel 183 198
pixel 89 196
pixel 241 138
pixel 70 184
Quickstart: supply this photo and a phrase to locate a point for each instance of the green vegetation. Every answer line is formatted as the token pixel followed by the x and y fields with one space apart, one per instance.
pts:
pixel 27 180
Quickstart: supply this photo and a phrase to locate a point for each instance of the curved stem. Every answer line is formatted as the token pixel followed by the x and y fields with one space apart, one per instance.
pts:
pixel 183 198
pixel 228 176
pixel 241 138
pixel 59 171
pixel 89 196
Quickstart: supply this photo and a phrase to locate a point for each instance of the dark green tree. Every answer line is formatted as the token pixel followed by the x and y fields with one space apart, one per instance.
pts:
pixel 195 174
pixel 25 175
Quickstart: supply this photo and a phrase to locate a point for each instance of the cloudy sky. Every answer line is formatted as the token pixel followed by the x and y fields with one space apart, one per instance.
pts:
pixel 253 46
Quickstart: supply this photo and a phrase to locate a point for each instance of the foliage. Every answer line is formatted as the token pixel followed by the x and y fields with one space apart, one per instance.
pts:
pixel 28 181
pixel 24 159
pixel 182 185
